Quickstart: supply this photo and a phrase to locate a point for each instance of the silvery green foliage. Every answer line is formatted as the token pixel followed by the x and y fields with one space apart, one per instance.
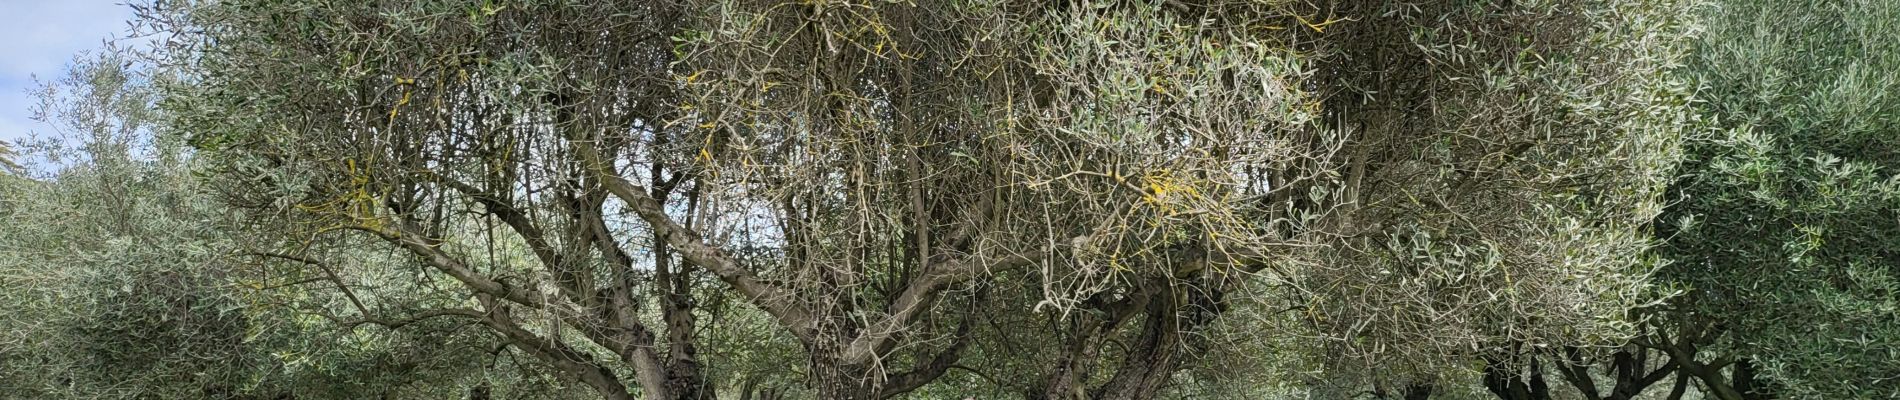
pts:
pixel 118 276
pixel 1430 182
pixel 1785 230
pixel 857 165
pixel 1506 160
pixel 339 132
pixel 110 263
pixel 8 164
pixel 1115 132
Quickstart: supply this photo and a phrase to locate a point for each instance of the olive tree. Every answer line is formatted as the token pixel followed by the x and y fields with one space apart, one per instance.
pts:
pixel 610 187
pixel 1504 163
pixel 1784 225
pixel 120 279
pixel 579 178
pixel 108 293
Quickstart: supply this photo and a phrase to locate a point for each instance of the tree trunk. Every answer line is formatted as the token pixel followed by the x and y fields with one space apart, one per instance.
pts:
pixel 843 383
pixel 1153 359
pixel 831 378
pixel 1746 383
pixel 1068 379
pixel 1065 380
pixel 1511 383
pixel 684 378
pixel 1172 312
pixel 1682 385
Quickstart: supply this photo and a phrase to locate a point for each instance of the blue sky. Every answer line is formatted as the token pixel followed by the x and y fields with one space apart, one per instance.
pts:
pixel 39 38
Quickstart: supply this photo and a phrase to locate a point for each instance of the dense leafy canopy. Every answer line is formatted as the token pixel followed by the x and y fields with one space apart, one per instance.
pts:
pixel 1786 231
pixel 1123 199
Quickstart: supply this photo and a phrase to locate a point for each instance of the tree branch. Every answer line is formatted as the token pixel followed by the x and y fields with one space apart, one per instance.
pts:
pixel 1578 374
pixel 435 257
pixel 327 273
pixel 691 246
pixel 916 297
pixel 574 283
pixel 557 354
pixel 394 324
pixel 931 370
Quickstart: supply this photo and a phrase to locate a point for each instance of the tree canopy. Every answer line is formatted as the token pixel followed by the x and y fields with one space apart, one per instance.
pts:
pixel 1109 199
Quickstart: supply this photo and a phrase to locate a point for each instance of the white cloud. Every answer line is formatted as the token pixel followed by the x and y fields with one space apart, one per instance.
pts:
pixel 39 38
pixel 42 35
